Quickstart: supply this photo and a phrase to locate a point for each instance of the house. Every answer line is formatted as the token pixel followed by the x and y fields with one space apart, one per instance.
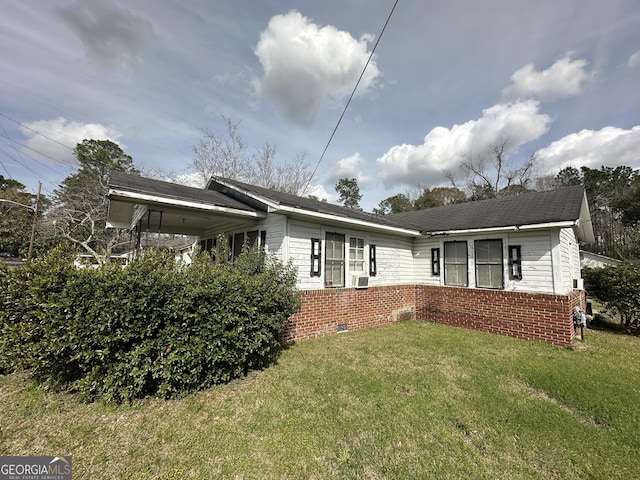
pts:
pixel 509 265
pixel 595 260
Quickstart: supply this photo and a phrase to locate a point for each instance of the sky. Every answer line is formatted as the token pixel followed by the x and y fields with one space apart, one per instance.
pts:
pixel 447 81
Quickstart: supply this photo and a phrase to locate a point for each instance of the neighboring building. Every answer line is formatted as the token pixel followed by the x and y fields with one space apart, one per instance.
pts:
pixel 9 261
pixel 509 265
pixel 594 260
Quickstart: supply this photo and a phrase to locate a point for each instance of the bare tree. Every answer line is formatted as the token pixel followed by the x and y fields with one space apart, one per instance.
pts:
pixel 227 156
pixel 222 155
pixel 80 206
pixel 288 176
pixel 492 174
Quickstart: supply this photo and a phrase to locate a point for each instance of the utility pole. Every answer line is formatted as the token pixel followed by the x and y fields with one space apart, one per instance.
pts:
pixel 35 219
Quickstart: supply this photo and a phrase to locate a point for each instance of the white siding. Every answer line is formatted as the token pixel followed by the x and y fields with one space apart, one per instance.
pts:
pixel 299 247
pixel 537 266
pixel 570 259
pixel 394 260
pixel 276 226
pixel 550 258
pixel 422 260
pixel 393 254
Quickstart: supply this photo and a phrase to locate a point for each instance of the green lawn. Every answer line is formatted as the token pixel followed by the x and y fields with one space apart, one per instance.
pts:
pixel 407 401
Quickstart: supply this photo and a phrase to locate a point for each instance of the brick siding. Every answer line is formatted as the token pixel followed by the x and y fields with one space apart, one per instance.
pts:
pixel 326 311
pixel 529 316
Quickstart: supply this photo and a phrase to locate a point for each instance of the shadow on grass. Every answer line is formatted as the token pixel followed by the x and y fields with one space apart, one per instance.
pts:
pixel 602 322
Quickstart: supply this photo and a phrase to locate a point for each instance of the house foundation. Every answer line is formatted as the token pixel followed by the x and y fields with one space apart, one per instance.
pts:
pixel 335 310
pixel 528 316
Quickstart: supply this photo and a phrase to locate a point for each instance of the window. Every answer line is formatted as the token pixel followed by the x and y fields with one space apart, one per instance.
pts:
pixel 315 257
pixel 373 265
pixel 515 262
pixel 238 244
pixel 356 255
pixel 263 239
pixel 252 239
pixel 435 262
pixel 455 264
pixel 489 269
pixel 334 260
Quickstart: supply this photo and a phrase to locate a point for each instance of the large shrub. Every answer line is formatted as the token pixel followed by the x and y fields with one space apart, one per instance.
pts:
pixel 154 327
pixel 618 287
pixel 29 298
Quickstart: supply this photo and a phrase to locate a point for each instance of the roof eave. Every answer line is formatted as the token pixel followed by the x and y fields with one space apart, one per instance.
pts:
pixel 275 207
pixel 135 197
pixel 508 228
pixel 348 220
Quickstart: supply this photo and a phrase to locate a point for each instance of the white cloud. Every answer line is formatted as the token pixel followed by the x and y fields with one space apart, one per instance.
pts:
pixel 305 63
pixel 564 78
pixel 112 36
pixel 444 148
pixel 189 179
pixel 56 139
pixel 350 167
pixel 634 60
pixel 321 193
pixel 609 146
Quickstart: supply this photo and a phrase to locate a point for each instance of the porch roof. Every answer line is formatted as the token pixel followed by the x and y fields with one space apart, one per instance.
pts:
pixel 171 208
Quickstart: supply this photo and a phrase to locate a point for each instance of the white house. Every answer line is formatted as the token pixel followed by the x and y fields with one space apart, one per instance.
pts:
pixel 509 265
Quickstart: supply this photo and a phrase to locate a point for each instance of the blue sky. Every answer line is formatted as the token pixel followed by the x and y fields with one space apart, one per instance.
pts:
pixel 448 79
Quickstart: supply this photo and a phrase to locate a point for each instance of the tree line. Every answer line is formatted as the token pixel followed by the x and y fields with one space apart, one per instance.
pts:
pixel 77 211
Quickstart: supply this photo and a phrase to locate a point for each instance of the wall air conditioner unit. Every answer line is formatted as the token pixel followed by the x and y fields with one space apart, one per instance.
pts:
pixel 360 281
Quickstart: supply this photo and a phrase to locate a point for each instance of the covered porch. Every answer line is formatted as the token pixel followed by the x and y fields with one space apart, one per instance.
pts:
pixel 147 206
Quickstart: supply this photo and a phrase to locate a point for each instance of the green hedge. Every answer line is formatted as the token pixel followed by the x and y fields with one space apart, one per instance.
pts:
pixel 618 287
pixel 155 327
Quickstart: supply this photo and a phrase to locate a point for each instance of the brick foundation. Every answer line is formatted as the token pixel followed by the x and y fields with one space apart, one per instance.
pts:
pixel 527 316
pixel 327 311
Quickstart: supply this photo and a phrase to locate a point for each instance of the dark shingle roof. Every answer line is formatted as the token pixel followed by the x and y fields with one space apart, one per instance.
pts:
pixel 527 209
pixel 295 201
pixel 135 183
pixel 517 210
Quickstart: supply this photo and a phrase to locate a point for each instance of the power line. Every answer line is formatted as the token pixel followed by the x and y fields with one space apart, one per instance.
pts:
pixel 84 117
pixel 35 131
pixel 24 165
pixel 22 162
pixel 61 162
pixel 5 169
pixel 350 97
pixel 12 145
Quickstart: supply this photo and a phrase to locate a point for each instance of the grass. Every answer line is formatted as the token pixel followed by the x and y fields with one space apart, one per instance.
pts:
pixel 407 401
